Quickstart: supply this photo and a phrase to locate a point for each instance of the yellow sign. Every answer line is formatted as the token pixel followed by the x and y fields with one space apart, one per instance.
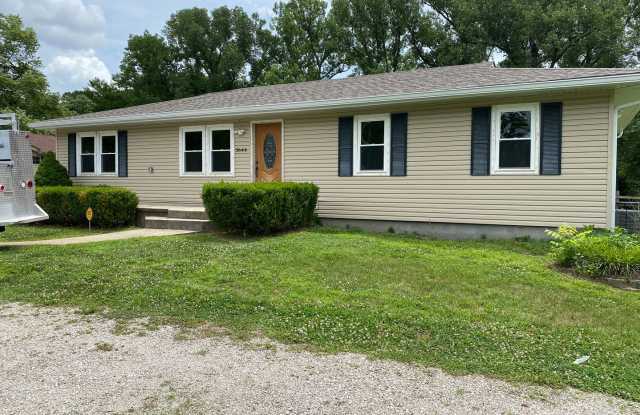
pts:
pixel 89 214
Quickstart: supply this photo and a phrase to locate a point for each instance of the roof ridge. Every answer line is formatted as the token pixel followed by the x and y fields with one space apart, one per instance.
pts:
pixel 484 64
pixel 361 89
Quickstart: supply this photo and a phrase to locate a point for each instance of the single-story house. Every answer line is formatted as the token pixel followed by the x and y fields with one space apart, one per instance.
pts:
pixel 464 150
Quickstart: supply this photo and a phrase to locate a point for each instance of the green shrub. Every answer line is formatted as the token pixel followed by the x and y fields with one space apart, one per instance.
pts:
pixel 66 205
pixel 597 253
pixel 260 208
pixel 50 172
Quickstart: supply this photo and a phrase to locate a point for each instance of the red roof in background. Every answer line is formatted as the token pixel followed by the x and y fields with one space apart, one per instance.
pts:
pixel 43 142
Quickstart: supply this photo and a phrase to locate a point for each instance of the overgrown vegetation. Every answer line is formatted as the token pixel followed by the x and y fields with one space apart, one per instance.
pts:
pixel 50 172
pixel 597 253
pixel 67 205
pixel 483 307
pixel 260 208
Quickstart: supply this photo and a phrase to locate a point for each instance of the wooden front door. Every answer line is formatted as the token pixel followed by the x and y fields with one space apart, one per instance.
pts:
pixel 268 150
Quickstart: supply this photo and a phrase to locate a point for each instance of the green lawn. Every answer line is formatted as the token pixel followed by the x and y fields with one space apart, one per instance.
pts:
pixel 35 232
pixel 494 308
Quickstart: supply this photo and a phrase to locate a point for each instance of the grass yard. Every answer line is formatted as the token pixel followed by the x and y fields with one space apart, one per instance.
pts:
pixel 493 308
pixel 36 232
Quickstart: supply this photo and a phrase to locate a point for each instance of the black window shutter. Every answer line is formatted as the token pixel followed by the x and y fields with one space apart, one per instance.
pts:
pixel 71 154
pixel 480 141
pixel 345 146
pixel 399 144
pixel 123 154
pixel 551 138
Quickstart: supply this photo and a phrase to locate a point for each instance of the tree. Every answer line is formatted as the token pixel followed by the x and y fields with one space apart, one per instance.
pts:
pixel 374 33
pixel 434 42
pixel 545 33
pixel 147 69
pixel 50 172
pixel 306 43
pixel 77 102
pixel 23 88
pixel 105 96
pixel 212 51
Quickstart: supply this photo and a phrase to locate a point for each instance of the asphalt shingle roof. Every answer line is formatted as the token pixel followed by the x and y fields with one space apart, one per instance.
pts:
pixel 380 85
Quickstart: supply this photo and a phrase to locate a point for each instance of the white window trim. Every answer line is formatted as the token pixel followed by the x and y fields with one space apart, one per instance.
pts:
pixel 357 121
pixel 79 153
pixel 496 113
pixel 206 150
pixel 99 153
pixel 232 151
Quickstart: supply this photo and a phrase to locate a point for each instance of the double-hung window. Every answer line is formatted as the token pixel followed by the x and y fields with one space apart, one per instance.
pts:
pixel 108 152
pixel 97 153
pixel 207 150
pixel 371 145
pixel 221 150
pixel 192 150
pixel 515 144
pixel 87 153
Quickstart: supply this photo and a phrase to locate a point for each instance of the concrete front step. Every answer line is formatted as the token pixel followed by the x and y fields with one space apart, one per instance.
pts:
pixel 188 213
pixel 173 217
pixel 160 222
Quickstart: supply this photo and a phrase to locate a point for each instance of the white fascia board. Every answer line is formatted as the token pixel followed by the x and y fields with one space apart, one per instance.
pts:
pixel 252 110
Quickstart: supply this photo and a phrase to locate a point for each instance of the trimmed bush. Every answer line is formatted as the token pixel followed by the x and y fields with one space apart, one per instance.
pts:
pixel 50 172
pixel 260 208
pixel 66 205
pixel 597 254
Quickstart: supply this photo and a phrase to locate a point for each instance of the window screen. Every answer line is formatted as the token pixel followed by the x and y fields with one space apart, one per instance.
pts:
pixel 515 139
pixel 220 150
pixel 108 155
pixel 193 151
pixel 87 154
pixel 372 145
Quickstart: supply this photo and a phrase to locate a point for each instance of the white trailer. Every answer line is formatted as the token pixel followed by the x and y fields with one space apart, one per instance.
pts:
pixel 17 187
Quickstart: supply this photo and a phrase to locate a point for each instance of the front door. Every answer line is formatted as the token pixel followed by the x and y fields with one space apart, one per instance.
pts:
pixel 268 152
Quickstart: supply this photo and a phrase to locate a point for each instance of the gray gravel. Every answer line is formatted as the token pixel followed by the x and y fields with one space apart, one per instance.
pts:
pixel 54 361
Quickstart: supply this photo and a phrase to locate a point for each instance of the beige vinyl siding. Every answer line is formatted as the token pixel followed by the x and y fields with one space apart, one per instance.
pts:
pixel 438 187
pixel 158 147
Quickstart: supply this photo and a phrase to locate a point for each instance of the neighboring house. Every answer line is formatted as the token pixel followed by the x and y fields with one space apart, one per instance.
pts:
pixel 41 144
pixel 463 150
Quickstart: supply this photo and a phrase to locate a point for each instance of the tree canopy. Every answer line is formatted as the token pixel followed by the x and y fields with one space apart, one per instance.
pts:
pixel 23 87
pixel 543 33
pixel 202 50
pixel 305 44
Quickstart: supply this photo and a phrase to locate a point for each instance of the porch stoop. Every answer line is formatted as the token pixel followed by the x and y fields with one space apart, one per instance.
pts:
pixel 173 217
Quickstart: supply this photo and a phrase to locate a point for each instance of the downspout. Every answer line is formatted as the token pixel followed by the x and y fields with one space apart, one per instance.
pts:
pixel 614 159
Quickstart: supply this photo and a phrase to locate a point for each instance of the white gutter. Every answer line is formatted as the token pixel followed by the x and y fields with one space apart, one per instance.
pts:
pixel 613 175
pixel 250 110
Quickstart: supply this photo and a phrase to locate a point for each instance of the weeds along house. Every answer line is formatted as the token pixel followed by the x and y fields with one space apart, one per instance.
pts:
pixel 459 151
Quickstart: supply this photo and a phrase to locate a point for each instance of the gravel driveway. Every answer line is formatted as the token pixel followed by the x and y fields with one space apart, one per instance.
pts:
pixel 56 361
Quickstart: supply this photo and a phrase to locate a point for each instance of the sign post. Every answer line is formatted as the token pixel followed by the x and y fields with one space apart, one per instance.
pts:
pixel 89 215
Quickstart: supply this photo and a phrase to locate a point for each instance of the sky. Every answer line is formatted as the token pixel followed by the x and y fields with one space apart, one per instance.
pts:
pixel 84 39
